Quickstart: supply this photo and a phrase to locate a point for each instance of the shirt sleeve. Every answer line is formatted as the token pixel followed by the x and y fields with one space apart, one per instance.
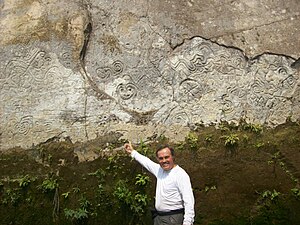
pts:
pixel 186 191
pixel 151 166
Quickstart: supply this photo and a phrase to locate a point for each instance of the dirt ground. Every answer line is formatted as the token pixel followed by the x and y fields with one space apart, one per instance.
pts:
pixel 244 174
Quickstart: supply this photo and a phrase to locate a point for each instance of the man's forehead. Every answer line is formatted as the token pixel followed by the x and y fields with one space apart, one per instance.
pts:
pixel 164 151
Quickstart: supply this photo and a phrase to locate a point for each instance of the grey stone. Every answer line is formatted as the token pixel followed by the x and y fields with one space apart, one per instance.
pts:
pixel 144 68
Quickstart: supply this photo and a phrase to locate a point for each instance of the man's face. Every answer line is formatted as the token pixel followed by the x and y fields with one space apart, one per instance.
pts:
pixel 165 159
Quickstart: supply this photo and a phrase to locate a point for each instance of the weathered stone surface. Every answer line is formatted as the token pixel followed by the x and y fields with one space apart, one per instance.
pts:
pixel 144 68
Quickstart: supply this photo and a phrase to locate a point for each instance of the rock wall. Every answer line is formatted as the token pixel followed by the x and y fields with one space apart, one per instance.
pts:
pixel 82 69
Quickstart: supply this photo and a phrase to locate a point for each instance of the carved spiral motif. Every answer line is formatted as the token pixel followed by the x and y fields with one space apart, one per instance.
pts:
pixel 289 81
pixel 178 118
pixel 282 70
pixel 227 106
pixel 39 60
pixel 109 71
pixel 103 72
pixel 199 60
pixel 24 125
pixel 117 67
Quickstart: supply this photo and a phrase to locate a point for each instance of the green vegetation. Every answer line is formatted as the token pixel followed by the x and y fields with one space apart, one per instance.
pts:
pixel 135 201
pixel 11 196
pixel 231 140
pixel 66 194
pixel 48 185
pixel 270 195
pixel 257 185
pixel 296 192
pixel 255 128
pixel 209 188
pixel 25 181
pixel 142 179
pixel 143 148
pixel 80 215
pixel 209 138
pixel 77 216
pixel 192 141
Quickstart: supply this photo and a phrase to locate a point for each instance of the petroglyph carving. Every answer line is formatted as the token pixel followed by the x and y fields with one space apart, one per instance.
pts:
pixel 274 79
pixel 24 125
pixel 178 116
pixel 23 72
pixel 273 86
pixel 199 82
pixel 66 59
pixel 106 118
pixel 110 71
pixel 198 61
pixel 225 63
pixel 191 89
pixel 127 91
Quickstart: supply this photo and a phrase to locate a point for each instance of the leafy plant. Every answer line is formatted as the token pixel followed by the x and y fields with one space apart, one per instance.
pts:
pixel 135 201
pixel 296 192
pixel 272 195
pixel 48 185
pixel 208 188
pixel 208 138
pixel 122 192
pixel 255 128
pixel 78 214
pixel 275 160
pixel 192 140
pixel 81 214
pixel 25 181
pixel 139 203
pixel 113 163
pixel 12 196
pixel 142 179
pixel 231 140
pixel 143 148
pixel 223 127
pixel 100 174
pixel 245 137
pixel 100 189
pixel 76 189
pixel 28 200
pixel 259 145
pixel 50 158
pixel 84 203
pixel 66 194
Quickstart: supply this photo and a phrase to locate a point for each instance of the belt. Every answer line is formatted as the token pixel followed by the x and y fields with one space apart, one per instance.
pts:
pixel 167 213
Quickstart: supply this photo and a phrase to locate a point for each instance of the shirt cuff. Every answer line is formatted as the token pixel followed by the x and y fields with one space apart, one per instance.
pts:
pixel 133 153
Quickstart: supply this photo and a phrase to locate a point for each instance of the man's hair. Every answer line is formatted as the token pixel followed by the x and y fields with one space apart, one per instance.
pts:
pixel 165 146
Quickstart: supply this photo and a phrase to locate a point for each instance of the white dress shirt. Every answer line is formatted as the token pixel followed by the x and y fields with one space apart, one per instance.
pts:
pixel 173 188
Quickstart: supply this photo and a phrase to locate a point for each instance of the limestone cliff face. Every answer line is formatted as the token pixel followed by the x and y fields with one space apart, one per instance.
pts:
pixel 86 68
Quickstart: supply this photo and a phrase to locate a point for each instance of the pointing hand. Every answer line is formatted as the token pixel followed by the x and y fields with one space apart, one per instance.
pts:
pixel 128 147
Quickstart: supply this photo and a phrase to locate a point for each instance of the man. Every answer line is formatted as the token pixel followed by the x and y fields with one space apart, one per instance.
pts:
pixel 174 199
